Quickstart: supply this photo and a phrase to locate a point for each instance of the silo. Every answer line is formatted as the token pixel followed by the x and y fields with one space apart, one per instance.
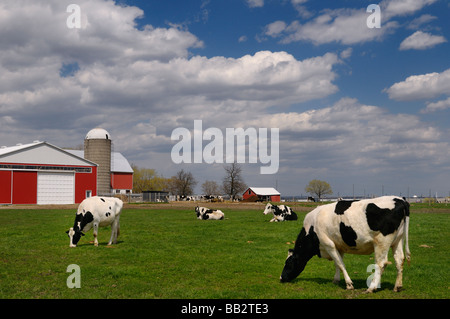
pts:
pixel 97 148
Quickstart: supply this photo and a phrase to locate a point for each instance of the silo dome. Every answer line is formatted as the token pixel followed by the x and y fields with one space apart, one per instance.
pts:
pixel 98 134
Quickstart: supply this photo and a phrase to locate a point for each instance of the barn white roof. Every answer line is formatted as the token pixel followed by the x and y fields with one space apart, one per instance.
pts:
pixel 40 153
pixel 265 191
pixel 119 164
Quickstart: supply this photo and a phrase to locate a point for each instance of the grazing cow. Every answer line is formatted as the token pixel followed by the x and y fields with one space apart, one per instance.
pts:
pixel 206 213
pixel 280 213
pixel 96 212
pixel 354 227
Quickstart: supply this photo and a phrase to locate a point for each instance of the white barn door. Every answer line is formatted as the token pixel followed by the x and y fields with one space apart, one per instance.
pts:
pixel 55 188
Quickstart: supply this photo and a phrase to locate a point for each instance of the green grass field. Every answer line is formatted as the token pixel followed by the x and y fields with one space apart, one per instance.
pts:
pixel 165 252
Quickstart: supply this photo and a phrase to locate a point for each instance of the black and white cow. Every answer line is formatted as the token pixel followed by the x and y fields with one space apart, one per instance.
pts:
pixel 280 213
pixel 94 212
pixel 353 227
pixel 206 213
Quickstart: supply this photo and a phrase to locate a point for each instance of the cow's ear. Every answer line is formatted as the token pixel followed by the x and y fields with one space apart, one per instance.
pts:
pixel 82 234
pixel 67 232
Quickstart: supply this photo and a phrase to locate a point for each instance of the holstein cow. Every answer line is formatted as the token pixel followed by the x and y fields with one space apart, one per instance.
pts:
pixel 206 213
pixel 94 212
pixel 354 227
pixel 280 213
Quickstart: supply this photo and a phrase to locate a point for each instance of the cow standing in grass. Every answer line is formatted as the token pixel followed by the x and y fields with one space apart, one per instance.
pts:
pixel 280 213
pixel 95 212
pixel 353 227
pixel 206 213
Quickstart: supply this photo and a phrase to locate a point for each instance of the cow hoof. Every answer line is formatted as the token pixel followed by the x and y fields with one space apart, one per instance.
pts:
pixel 398 289
pixel 350 286
pixel 368 291
pixel 336 282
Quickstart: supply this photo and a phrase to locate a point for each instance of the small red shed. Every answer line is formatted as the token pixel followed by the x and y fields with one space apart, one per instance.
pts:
pixel 264 194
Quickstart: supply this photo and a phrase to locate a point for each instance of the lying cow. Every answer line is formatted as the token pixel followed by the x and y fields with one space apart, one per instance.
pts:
pixel 280 213
pixel 354 227
pixel 94 212
pixel 206 213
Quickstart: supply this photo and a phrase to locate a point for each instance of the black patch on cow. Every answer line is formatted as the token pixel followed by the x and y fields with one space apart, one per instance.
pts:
pixel 278 211
pixel 87 218
pixel 307 244
pixel 348 234
pixel 306 247
pixel 342 206
pixel 291 216
pixel 205 216
pixel 386 220
pixel 78 218
pixel 102 199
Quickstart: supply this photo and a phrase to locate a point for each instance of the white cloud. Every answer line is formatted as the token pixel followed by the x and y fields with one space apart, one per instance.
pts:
pixel 275 28
pixel 130 76
pixel 369 138
pixel 345 26
pixel 437 106
pixel 421 40
pixel 255 3
pixel 392 8
pixel 424 86
pixel 423 19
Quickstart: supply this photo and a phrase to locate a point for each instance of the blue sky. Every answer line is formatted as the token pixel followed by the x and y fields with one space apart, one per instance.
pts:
pixel 355 106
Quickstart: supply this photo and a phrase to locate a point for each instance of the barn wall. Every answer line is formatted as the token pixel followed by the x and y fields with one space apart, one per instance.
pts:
pixel 24 187
pixel 85 182
pixel 122 180
pixel 5 187
pixel 275 198
pixel 248 193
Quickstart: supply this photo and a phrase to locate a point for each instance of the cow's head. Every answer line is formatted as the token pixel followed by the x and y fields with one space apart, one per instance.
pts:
pixel 74 236
pixel 197 211
pixel 269 209
pixel 306 246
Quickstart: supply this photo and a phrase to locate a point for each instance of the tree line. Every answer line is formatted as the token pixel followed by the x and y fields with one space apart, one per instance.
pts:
pixel 184 182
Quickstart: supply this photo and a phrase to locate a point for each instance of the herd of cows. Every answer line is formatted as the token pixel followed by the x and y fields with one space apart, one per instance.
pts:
pixel 329 231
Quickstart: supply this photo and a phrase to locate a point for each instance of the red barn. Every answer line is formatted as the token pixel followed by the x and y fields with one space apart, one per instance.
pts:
pixel 264 194
pixel 41 173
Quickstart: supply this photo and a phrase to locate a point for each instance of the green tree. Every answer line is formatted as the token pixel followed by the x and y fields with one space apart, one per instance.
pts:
pixel 318 188
pixel 147 179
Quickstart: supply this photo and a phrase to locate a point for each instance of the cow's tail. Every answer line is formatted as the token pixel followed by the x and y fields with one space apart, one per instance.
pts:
pixel 406 233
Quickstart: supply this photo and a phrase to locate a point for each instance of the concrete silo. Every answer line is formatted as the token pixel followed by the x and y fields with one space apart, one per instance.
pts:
pixel 97 148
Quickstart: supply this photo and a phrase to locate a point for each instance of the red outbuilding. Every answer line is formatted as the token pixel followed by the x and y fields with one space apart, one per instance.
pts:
pixel 263 194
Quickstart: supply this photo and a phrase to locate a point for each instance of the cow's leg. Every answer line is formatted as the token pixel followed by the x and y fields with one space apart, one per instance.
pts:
pixel 381 254
pixel 337 275
pixel 95 234
pixel 339 262
pixel 399 258
pixel 114 232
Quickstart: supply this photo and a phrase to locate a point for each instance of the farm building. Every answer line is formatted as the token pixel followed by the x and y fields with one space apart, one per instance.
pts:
pixel 263 194
pixel 42 173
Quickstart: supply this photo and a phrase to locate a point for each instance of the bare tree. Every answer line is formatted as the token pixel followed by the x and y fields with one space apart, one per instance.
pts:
pixel 182 183
pixel 318 188
pixel 210 188
pixel 233 183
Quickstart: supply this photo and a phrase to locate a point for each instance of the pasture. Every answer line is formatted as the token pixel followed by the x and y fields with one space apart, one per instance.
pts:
pixel 165 252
